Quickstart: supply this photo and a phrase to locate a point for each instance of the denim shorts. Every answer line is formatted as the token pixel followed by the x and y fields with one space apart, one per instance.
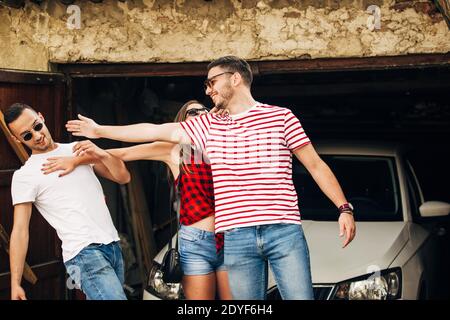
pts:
pixel 198 254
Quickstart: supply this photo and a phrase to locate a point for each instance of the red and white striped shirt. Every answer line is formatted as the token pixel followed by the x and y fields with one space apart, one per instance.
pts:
pixel 251 162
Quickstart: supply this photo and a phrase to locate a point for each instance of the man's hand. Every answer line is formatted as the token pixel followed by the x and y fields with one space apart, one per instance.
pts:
pixel 65 164
pixel 87 147
pixel 347 226
pixel 84 127
pixel 17 293
pixel 220 111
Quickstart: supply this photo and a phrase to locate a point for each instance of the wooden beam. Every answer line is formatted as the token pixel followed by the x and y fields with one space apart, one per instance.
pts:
pixel 258 67
pixel 328 89
pixel 28 274
pixel 138 209
pixel 44 271
pixel 23 156
pixel 80 70
pixel 17 147
pixel 28 77
pixel 350 64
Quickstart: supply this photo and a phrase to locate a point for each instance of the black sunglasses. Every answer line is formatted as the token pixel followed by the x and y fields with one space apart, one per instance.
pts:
pixel 208 82
pixel 193 112
pixel 37 127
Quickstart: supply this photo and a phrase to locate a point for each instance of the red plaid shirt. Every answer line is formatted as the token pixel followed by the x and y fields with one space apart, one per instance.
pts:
pixel 197 195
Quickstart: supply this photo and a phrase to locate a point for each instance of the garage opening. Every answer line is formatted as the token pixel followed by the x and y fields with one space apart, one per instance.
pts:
pixel 406 103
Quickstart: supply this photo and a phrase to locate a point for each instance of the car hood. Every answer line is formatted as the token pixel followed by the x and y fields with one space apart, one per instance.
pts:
pixel 376 244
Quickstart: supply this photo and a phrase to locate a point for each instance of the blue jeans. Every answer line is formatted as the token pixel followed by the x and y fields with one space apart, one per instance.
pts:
pixel 198 254
pixel 248 250
pixel 98 271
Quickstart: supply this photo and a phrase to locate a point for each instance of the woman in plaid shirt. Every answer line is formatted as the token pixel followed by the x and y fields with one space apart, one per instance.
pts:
pixel 201 251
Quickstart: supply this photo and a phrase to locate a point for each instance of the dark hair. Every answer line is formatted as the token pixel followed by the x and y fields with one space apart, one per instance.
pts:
pixel 234 64
pixel 14 112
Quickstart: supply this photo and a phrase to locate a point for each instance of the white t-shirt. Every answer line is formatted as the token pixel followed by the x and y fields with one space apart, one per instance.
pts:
pixel 251 162
pixel 73 204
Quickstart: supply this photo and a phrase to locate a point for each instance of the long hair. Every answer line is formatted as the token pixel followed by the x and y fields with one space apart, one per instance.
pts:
pixel 180 117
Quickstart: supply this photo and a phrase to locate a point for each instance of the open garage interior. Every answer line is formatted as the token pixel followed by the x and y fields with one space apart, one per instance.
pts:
pixel 407 104
pixel 386 100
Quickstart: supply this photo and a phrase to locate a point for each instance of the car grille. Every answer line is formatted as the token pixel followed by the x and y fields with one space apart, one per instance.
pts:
pixel 321 292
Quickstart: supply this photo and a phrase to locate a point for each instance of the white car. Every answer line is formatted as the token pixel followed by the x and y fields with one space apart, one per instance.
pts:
pixel 398 249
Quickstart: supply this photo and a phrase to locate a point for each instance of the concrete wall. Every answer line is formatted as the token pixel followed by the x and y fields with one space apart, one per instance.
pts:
pixel 198 30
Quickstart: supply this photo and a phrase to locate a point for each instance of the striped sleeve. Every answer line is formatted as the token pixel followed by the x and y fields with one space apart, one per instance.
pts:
pixel 198 129
pixel 294 134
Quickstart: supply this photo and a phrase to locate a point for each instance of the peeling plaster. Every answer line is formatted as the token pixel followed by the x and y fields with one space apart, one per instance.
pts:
pixel 195 30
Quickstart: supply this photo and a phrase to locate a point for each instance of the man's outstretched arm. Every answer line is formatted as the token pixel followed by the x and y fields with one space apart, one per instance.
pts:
pixel 141 132
pixel 329 185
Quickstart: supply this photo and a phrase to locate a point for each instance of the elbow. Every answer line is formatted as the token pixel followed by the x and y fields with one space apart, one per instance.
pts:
pixel 125 178
pixel 19 236
pixel 316 166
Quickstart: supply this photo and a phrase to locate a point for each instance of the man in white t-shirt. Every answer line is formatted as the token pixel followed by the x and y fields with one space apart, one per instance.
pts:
pixel 256 204
pixel 73 204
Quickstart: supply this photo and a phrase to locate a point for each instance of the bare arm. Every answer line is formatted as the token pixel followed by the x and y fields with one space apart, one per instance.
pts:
pixel 106 169
pixel 142 132
pixel 159 151
pixel 329 185
pixel 107 166
pixel 18 248
pixel 67 164
pixel 321 174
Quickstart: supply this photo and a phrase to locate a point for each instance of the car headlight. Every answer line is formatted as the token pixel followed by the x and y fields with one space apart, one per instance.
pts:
pixel 384 285
pixel 157 286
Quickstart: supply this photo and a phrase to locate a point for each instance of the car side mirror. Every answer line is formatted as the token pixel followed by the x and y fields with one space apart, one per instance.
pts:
pixel 434 209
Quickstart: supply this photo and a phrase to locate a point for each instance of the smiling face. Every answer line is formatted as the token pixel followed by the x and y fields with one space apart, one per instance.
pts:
pixel 29 128
pixel 218 86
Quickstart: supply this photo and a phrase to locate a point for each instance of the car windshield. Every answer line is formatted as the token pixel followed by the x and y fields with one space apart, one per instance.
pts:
pixel 369 183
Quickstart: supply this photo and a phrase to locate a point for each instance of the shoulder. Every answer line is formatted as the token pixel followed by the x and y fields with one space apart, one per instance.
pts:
pixel 272 108
pixel 18 174
pixel 67 147
pixel 26 173
pixel 204 118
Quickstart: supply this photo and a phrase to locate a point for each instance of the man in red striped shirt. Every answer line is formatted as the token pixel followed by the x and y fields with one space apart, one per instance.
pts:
pixel 250 150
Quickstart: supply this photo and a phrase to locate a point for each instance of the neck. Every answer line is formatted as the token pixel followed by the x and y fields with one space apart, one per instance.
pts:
pixel 240 102
pixel 52 147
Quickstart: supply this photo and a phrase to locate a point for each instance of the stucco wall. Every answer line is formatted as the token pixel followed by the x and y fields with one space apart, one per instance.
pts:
pixel 198 30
